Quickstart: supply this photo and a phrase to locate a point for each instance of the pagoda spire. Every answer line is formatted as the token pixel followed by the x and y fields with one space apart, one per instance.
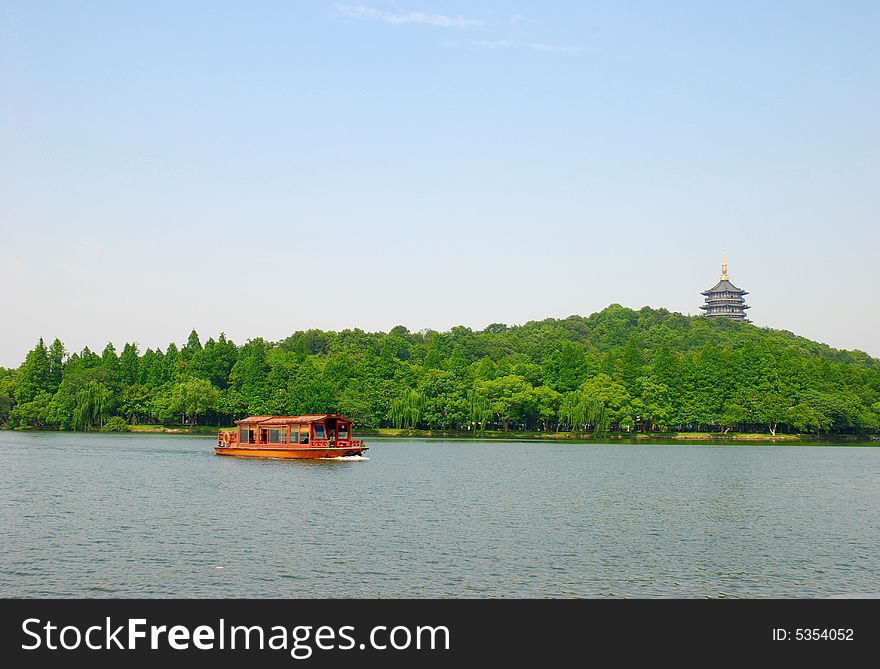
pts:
pixel 724 276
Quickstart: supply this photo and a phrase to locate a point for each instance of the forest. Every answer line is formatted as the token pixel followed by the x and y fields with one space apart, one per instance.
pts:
pixel 619 370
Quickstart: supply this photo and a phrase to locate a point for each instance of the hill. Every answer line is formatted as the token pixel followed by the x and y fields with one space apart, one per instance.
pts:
pixel 619 369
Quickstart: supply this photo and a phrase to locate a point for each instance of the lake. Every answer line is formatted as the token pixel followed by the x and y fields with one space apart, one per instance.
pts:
pixel 97 515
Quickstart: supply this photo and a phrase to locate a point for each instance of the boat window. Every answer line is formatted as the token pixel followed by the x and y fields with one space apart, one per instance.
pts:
pixel 343 431
pixel 275 436
pixel 242 435
pixel 294 434
pixel 304 434
pixel 319 431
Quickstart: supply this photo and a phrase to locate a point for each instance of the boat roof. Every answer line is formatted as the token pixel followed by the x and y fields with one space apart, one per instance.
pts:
pixel 291 420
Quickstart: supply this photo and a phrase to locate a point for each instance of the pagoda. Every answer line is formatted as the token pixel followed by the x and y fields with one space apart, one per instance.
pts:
pixel 724 300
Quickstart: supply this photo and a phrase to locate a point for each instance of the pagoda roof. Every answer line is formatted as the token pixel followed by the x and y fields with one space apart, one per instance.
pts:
pixel 724 286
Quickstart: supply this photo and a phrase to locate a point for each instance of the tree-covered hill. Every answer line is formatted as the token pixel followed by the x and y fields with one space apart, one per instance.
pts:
pixel 619 369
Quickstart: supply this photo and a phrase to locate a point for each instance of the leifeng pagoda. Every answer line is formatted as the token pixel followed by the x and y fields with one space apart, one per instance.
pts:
pixel 724 300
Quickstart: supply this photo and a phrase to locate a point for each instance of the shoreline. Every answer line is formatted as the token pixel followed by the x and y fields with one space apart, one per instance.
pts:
pixel 495 435
pixel 624 437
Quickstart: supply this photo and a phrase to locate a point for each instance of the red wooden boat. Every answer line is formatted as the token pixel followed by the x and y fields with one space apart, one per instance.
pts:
pixel 312 436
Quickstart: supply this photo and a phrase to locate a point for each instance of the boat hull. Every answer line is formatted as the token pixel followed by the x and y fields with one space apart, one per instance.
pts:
pixel 289 453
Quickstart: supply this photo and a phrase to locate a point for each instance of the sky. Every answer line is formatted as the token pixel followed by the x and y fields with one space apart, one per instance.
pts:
pixel 266 167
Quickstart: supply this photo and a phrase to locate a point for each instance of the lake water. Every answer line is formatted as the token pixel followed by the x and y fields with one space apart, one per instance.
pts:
pixel 94 515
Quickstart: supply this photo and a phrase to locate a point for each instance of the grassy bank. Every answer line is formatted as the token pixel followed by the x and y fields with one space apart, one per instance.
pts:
pixel 512 434
pixel 614 436
pixel 628 437
pixel 199 429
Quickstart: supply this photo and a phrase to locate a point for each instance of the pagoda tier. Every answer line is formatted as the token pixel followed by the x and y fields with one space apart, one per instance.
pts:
pixel 724 300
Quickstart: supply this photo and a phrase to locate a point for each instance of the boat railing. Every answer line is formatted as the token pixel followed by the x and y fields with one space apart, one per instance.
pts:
pixel 229 439
pixel 336 443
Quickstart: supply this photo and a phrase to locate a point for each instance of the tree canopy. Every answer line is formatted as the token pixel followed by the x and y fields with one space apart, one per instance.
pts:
pixel 648 370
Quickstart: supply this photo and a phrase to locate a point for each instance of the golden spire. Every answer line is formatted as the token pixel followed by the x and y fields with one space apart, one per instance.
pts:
pixel 724 276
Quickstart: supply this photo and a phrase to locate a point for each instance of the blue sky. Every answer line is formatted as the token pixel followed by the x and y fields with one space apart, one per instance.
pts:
pixel 260 168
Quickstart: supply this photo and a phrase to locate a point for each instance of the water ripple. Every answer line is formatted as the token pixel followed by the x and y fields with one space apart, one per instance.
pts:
pixel 160 516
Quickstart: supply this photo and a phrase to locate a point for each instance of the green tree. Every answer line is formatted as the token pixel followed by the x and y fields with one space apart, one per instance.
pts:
pixel 406 409
pixel 444 399
pixel 655 402
pixel 134 402
pixel 249 376
pixel 806 418
pixel 546 402
pixel 57 355
pixel 479 409
pixel 508 396
pixel 356 405
pixel 566 367
pixel 308 392
pixel 618 369
pixel 580 410
pixel 191 398
pixel 116 424
pixel 129 365
pixel 193 345
pixel 33 413
pixel 6 405
pixel 33 376
pixel 110 361
pixel 84 402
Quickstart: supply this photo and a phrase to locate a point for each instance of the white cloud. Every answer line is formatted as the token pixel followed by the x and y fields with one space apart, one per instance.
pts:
pixel 493 44
pixel 373 14
pixel 506 44
pixel 555 48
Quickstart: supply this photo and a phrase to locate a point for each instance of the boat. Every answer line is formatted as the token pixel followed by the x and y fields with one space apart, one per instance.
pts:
pixel 314 436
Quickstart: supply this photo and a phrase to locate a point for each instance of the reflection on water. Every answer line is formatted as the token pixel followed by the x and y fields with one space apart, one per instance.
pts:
pixel 161 516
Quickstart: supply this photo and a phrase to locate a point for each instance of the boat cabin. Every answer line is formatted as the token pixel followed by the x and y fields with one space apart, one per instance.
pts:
pixel 315 430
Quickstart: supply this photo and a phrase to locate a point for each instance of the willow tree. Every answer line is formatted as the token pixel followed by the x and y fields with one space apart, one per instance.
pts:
pixel 582 411
pixel 406 409
pixel 479 410
pixel 92 405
